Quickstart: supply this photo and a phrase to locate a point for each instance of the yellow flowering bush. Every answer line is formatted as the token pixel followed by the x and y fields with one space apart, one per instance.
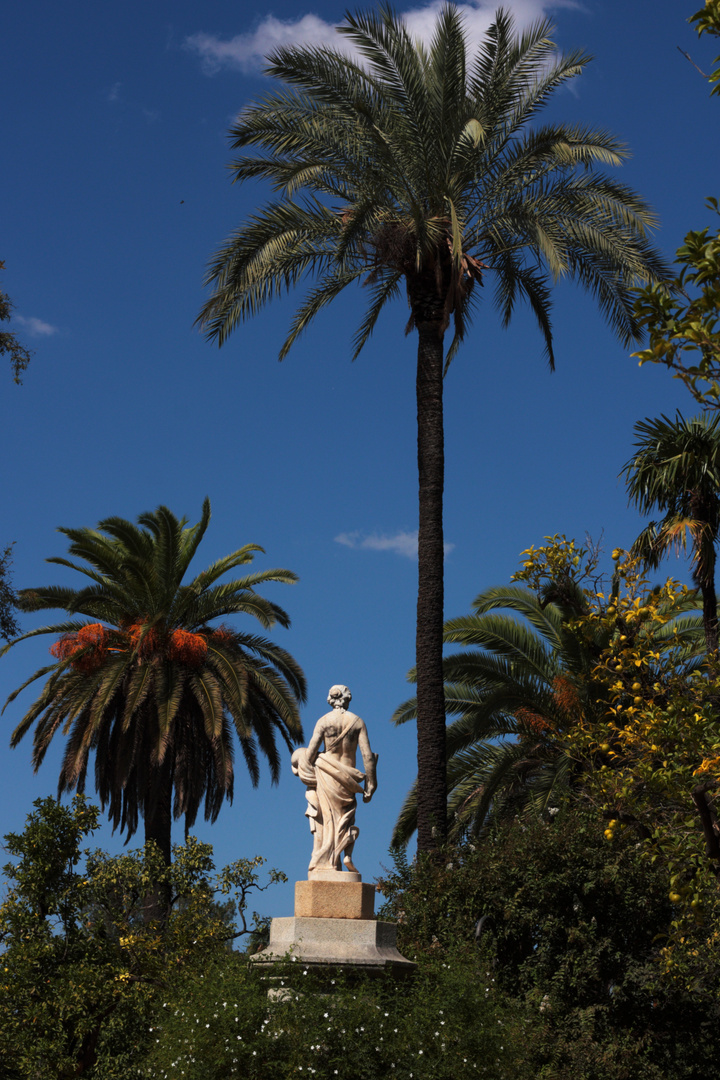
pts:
pixel 646 746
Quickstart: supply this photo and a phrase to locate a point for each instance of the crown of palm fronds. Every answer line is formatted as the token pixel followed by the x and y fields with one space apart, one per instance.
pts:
pixel 416 159
pixel 676 469
pixel 149 686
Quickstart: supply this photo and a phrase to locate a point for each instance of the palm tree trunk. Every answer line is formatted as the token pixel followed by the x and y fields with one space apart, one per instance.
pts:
pixel 158 826
pixel 432 769
pixel 710 614
pixel 704 569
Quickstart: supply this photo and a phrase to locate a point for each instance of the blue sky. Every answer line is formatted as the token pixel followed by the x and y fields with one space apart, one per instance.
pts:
pixel 115 193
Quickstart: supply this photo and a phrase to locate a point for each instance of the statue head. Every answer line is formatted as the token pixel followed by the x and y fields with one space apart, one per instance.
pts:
pixel 339 697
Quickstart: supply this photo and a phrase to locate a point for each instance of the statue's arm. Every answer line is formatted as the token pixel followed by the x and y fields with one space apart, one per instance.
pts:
pixel 369 763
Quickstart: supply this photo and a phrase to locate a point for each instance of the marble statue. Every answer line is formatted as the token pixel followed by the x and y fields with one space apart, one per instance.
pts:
pixel 333 783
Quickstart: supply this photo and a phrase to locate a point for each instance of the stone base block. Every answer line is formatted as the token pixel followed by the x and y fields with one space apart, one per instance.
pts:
pixel 363 944
pixel 334 900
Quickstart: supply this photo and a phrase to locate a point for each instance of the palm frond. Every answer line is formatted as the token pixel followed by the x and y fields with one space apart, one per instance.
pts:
pixel 154 692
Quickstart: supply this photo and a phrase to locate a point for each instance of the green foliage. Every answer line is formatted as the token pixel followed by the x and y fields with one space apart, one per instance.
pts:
pixel 571 928
pixel 652 766
pixel 526 676
pixel 8 598
pixel 676 469
pixel 9 344
pixel 148 685
pixel 83 964
pixel 707 21
pixel 445 1022
pixel 681 318
pixel 420 168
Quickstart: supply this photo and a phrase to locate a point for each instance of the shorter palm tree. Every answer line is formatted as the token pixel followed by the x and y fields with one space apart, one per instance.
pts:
pixel 148 685
pixel 526 677
pixel 676 469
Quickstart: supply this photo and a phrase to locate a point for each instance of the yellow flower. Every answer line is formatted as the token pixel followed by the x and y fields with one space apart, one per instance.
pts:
pixel 708 765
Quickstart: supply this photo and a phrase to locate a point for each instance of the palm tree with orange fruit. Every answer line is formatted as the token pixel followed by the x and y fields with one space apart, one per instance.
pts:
pixel 152 683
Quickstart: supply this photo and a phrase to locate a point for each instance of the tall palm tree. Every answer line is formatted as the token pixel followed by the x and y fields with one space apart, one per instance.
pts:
pixel 676 469
pixel 415 165
pixel 524 677
pixel 148 685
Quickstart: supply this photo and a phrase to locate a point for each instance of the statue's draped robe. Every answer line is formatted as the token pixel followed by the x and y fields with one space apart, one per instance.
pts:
pixel 331 793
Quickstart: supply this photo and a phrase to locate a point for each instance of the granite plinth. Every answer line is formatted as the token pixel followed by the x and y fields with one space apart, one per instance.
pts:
pixel 334 899
pixel 364 944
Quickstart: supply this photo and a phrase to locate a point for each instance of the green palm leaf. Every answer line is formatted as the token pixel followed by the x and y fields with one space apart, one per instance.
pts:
pixel 419 164
pixel 147 685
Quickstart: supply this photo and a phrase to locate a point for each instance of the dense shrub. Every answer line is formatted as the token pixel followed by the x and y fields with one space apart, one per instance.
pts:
pixel 445 1022
pixel 572 925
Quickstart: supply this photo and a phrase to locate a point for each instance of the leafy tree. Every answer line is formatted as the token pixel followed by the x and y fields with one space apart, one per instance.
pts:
pixel 8 600
pixel 82 970
pixel 525 676
pixel 652 764
pixel 9 344
pixel 571 928
pixel 148 684
pixel 707 21
pixel 676 469
pixel 417 166
pixel 681 316
pixel 447 1021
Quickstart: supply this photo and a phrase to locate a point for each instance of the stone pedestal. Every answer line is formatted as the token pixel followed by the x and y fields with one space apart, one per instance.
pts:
pixel 334 899
pixel 334 927
pixel 362 944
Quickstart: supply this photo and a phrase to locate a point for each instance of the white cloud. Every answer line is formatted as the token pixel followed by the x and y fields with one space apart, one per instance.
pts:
pixel 36 327
pixel 400 543
pixel 114 92
pixel 247 52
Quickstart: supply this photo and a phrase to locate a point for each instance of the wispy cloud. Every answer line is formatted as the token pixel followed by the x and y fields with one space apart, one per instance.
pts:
pixel 400 543
pixel 115 96
pixel 247 52
pixel 36 327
